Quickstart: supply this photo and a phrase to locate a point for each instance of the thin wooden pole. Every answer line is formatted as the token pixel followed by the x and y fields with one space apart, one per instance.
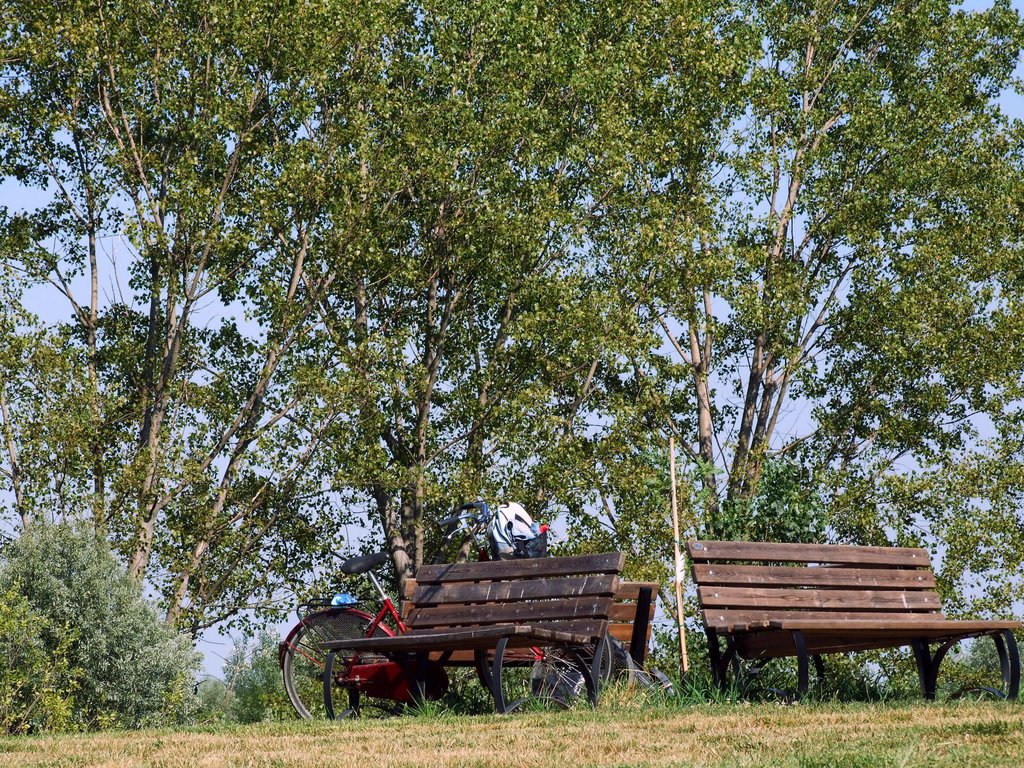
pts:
pixel 684 662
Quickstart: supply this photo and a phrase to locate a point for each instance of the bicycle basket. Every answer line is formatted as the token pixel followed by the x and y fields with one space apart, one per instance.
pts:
pixel 535 547
pixel 327 625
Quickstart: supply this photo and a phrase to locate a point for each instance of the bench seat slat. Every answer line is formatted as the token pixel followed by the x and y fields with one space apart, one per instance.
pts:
pixel 837 599
pixel 719 619
pixel 626 612
pixel 459 639
pixel 902 626
pixel 630 590
pixel 710 551
pixel 776 643
pixel 611 563
pixel 801 576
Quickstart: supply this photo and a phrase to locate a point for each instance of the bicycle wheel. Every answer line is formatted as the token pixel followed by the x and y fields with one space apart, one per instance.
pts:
pixel 563 681
pixel 303 661
pixel 552 679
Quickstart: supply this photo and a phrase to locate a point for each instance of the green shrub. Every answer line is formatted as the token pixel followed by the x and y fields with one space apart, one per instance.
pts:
pixel 254 677
pixel 36 689
pixel 126 667
pixel 214 701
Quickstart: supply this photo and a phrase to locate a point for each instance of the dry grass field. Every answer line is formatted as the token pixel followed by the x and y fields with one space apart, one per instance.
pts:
pixel 726 735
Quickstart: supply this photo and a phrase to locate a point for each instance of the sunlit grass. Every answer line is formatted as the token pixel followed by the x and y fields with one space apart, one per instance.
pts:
pixel 618 734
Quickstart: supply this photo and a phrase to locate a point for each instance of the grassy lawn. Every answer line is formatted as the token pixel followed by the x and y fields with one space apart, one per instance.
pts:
pixel 726 735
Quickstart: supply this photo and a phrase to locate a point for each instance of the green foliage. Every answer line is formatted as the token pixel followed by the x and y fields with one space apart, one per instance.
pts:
pixel 118 665
pixel 37 691
pixel 785 507
pixel 371 264
pixel 254 680
pixel 215 700
pixel 835 282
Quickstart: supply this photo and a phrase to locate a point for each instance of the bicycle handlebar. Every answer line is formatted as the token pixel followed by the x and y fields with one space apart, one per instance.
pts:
pixel 474 515
pixel 445 522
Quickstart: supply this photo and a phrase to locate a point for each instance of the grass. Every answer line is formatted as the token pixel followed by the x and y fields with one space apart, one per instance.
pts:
pixel 857 736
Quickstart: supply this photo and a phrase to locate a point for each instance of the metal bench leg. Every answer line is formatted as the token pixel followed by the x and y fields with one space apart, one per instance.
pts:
pixel 802 664
pixel 715 659
pixel 721 659
pixel 490 675
pixel 638 640
pixel 924 668
pixel 1009 662
pixel 419 684
pixel 591 671
pixel 819 670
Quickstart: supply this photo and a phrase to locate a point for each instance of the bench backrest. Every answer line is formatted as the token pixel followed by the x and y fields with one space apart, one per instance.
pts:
pixel 572 594
pixel 743 583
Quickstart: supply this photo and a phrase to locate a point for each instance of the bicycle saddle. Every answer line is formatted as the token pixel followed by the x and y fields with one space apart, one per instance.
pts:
pixel 363 563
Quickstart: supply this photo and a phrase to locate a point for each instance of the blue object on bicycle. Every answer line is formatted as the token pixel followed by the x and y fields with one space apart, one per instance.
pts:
pixel 344 598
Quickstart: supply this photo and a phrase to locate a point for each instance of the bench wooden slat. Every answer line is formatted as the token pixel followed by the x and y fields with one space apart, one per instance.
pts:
pixel 754 618
pixel 625 613
pixel 505 591
pixel 888 625
pixel 591 628
pixel 711 551
pixel 630 590
pixel 774 643
pixel 800 576
pixel 622 614
pixel 771 644
pixel 611 563
pixel 838 599
pixel 625 591
pixel 465 639
pixel 508 613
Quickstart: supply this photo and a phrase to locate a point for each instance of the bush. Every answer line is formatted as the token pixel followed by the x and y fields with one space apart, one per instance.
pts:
pixel 214 701
pixel 254 677
pixel 126 667
pixel 35 682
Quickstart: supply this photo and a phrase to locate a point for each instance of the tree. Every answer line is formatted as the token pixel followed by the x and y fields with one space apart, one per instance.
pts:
pixel 35 683
pixel 109 656
pixel 180 144
pixel 487 352
pixel 320 267
pixel 837 283
pixel 367 236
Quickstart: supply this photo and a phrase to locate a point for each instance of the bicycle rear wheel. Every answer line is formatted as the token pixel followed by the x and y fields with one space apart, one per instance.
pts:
pixel 303 662
pixel 552 678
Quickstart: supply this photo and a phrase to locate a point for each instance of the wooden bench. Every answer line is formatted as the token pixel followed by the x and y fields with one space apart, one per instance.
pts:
pixel 630 620
pixel 765 601
pixel 489 608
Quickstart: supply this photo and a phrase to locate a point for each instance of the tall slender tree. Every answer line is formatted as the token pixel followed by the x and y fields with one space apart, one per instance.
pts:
pixel 837 283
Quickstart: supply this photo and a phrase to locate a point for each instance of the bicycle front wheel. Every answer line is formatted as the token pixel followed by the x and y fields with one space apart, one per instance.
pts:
pixel 303 662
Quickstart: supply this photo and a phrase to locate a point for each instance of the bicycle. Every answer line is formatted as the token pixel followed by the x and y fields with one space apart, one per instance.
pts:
pixel 376 685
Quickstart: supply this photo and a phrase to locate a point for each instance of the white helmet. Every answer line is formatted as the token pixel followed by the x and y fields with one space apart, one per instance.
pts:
pixel 511 530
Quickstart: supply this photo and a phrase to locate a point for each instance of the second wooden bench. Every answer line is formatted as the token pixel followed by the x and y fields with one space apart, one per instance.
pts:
pixel 762 600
